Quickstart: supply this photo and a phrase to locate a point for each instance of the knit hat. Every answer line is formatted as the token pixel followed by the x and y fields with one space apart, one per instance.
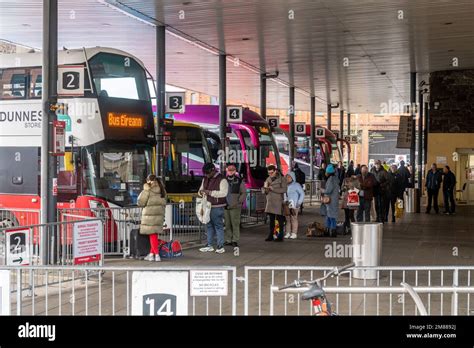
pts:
pixel 330 169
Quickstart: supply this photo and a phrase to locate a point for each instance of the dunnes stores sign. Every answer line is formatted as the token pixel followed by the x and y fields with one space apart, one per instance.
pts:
pixel 28 118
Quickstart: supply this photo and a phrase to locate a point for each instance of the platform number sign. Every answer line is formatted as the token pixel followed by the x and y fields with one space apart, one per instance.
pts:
pixel 320 133
pixel 273 121
pixel 71 80
pixel 175 102
pixel 18 247
pixel 159 304
pixel 300 128
pixel 234 114
pixel 160 293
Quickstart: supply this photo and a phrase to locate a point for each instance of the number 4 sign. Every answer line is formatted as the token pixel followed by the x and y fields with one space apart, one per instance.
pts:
pixel 70 80
pixel 234 114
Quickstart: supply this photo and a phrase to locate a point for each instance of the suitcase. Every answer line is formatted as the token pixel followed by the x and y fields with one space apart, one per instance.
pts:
pixel 139 244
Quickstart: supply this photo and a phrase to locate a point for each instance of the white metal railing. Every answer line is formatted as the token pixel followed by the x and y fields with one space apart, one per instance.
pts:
pixel 442 290
pixel 108 291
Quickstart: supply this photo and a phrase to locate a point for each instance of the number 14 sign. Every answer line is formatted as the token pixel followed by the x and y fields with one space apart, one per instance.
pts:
pixel 160 293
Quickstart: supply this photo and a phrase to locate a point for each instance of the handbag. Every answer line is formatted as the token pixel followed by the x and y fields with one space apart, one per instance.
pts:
pixel 285 209
pixel 326 199
pixel 203 210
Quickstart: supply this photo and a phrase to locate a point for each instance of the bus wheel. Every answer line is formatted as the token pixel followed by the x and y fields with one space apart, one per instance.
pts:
pixel 7 219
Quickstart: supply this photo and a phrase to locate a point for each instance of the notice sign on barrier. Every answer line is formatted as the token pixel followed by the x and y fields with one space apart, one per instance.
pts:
pixel 161 293
pixel 18 247
pixel 209 283
pixel 87 242
pixel 4 292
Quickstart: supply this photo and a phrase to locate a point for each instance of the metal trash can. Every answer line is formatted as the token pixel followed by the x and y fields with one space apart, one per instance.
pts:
pixel 410 199
pixel 366 248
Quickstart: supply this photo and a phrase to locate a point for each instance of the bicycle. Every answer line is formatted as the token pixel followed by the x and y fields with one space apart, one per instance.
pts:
pixel 315 293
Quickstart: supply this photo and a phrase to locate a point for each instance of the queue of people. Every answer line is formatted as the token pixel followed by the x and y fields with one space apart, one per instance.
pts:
pixel 358 186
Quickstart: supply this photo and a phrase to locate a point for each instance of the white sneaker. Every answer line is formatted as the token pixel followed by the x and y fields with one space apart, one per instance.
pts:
pixel 150 257
pixel 207 249
pixel 220 250
pixel 293 236
pixel 287 236
pixel 157 258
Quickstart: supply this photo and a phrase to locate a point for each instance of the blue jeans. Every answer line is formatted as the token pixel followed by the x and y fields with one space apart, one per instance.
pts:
pixel 331 223
pixel 216 227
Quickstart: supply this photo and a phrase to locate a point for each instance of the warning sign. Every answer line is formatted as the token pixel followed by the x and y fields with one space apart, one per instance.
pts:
pixel 87 242
pixel 209 283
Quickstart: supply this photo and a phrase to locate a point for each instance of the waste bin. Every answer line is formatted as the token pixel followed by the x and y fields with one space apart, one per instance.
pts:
pixel 410 198
pixel 366 248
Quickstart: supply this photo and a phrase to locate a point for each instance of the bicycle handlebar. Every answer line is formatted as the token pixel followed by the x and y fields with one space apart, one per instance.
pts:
pixel 336 271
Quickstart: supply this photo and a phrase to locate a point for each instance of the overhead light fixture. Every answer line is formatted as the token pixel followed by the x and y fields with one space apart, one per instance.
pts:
pixel 106 24
pixel 448 23
pixel 383 73
pixel 245 39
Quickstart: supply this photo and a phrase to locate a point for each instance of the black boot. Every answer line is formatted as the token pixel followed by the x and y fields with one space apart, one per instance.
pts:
pixel 326 232
pixel 269 238
pixel 333 233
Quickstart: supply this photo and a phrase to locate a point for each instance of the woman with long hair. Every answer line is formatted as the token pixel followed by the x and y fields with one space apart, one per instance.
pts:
pixel 153 201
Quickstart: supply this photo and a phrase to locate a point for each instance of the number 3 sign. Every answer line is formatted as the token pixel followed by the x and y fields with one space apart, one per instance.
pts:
pixel 70 80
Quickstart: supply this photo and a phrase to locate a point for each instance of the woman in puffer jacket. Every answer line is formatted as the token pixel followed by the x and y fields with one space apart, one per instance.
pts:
pixel 153 201
pixel 294 199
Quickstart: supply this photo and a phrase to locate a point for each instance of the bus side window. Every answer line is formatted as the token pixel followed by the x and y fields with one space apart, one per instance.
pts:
pixel 36 83
pixel 13 83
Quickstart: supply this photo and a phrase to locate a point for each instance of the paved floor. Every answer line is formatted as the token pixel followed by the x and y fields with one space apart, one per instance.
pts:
pixel 416 239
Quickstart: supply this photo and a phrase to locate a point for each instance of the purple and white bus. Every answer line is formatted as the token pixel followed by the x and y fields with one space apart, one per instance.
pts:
pixel 250 142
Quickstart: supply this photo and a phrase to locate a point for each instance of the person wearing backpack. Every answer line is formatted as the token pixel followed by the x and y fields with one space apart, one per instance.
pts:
pixel 349 184
pixel 300 178
pixel 295 197
pixel 233 211
pixel 153 201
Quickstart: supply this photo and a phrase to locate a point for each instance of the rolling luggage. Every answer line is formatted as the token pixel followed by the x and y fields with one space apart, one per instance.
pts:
pixel 139 244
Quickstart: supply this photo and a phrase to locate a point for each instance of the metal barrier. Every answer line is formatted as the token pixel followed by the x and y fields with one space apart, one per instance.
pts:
pixel 313 191
pixel 21 245
pixel 183 222
pixel 253 211
pixel 114 291
pixel 443 290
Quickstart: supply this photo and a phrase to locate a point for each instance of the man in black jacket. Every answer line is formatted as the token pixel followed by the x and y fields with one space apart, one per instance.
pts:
pixel 405 175
pixel 396 191
pixel 433 183
pixel 449 183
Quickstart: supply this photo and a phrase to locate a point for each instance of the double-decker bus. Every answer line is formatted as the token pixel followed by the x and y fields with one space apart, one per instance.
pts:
pixel 110 133
pixel 251 141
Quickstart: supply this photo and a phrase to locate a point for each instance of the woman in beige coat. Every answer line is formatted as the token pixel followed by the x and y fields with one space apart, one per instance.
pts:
pixel 275 188
pixel 153 201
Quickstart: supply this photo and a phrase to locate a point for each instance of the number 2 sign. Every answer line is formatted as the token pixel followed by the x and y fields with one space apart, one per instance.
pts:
pixel 18 247
pixel 70 80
